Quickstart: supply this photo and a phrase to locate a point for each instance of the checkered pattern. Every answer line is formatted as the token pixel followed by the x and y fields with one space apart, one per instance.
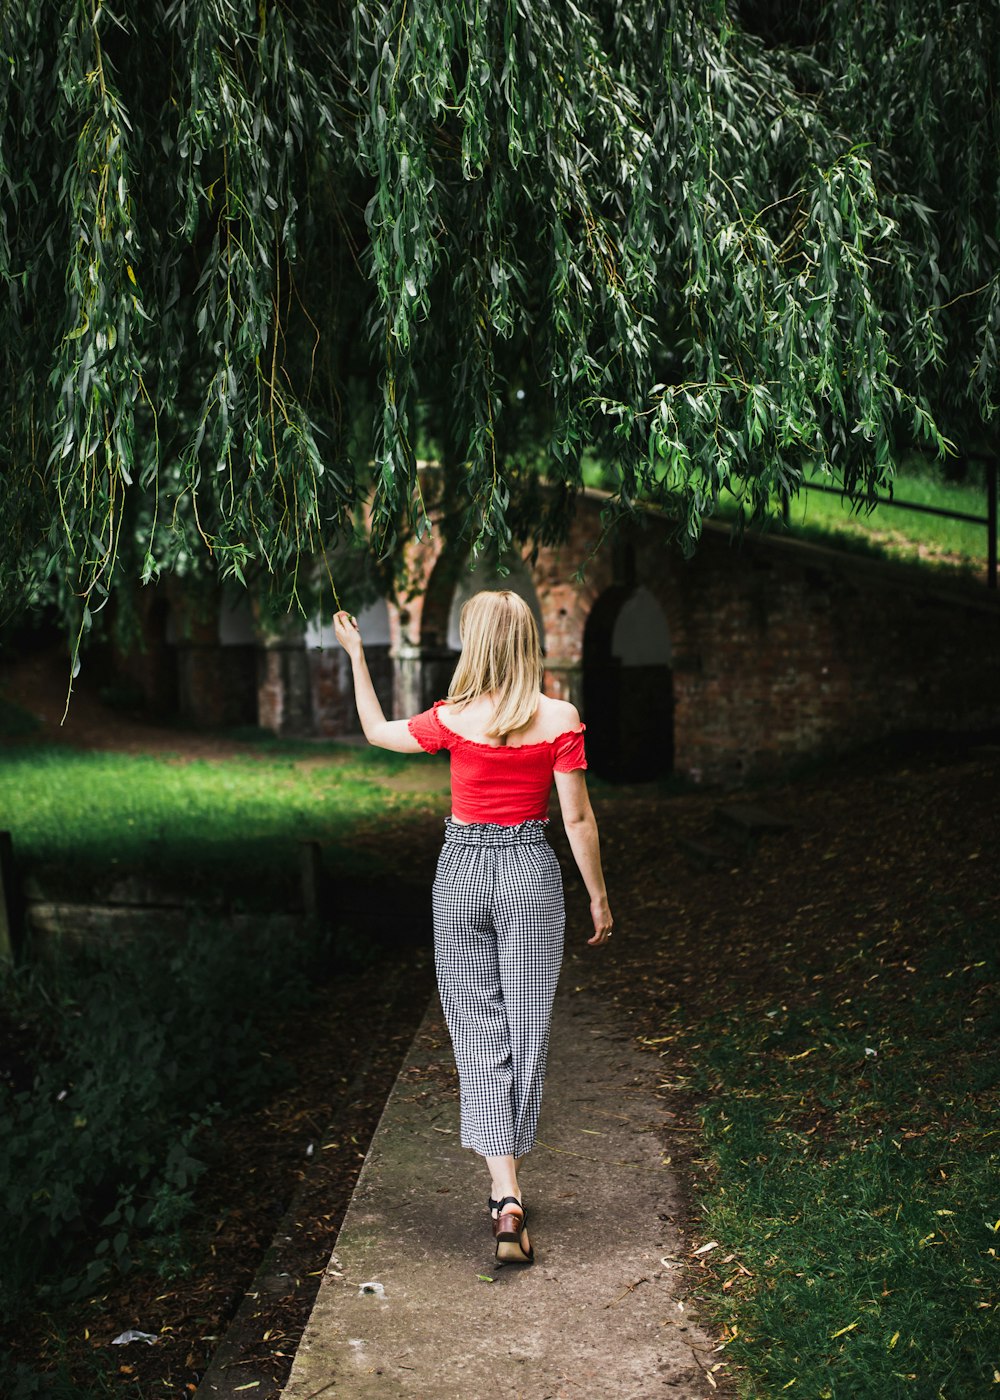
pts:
pixel 498 942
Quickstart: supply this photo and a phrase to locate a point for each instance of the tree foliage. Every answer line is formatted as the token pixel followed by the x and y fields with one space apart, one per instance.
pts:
pixel 250 249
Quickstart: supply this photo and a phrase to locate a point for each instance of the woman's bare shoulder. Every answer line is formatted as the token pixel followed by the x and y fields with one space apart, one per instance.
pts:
pixel 557 717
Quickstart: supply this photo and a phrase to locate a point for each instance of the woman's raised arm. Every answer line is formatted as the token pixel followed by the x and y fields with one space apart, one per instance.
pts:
pixel 383 733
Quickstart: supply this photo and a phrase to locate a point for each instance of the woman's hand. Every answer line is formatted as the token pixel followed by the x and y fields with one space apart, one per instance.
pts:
pixel 348 635
pixel 603 922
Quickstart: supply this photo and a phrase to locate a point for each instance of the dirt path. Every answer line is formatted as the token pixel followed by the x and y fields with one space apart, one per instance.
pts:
pixel 448 1321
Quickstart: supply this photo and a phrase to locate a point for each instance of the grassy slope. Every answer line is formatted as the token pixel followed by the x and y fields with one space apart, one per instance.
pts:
pixel 854 1139
pixel 229 828
pixel 886 531
pixel 902 533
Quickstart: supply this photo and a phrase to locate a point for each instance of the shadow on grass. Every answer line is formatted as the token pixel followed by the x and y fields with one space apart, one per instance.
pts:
pixel 221 831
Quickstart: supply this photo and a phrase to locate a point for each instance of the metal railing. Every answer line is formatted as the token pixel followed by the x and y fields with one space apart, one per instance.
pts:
pixel 990 467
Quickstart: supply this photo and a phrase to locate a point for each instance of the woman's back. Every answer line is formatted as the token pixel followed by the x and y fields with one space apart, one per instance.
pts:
pixel 473 721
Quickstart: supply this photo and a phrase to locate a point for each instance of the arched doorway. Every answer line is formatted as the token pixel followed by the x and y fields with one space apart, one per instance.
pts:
pixel 628 686
pixel 439 661
pixel 160 682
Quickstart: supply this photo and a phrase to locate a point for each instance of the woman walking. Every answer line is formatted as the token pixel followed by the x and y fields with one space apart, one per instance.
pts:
pixel 498 896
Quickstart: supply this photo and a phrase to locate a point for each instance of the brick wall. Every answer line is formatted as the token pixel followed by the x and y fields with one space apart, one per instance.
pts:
pixel 333 709
pixel 217 685
pixel 147 661
pixel 784 650
pixel 780 649
pixel 179 665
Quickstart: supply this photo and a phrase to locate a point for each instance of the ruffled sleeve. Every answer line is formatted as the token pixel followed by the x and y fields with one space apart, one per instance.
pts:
pixel 428 732
pixel 568 752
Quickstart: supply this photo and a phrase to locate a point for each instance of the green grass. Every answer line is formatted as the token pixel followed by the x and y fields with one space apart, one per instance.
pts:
pixel 854 1149
pixel 228 828
pixel 902 533
pixel 887 532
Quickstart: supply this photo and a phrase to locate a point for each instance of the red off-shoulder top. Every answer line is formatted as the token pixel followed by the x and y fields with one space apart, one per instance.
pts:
pixel 501 783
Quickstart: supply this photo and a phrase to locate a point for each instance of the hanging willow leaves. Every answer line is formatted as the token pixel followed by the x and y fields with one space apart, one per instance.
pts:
pixel 258 257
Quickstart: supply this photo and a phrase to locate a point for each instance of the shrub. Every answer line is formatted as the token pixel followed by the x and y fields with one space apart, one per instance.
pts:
pixel 137 1047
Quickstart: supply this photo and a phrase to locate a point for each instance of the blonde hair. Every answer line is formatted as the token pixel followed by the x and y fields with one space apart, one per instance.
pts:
pixel 501 656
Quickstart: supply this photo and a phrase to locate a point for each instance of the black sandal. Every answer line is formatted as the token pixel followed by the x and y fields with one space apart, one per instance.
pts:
pixel 493 1205
pixel 508 1229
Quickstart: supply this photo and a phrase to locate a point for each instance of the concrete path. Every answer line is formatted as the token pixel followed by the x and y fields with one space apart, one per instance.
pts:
pixel 406 1307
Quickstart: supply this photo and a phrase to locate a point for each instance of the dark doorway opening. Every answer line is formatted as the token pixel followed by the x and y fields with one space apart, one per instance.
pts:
pixel 628 692
pixel 160 680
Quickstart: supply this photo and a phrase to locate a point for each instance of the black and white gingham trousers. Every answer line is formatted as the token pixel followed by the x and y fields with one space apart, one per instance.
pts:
pixel 499 921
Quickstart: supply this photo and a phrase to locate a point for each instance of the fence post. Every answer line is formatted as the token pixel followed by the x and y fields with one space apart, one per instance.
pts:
pixel 991 521
pixel 6 897
pixel 311 873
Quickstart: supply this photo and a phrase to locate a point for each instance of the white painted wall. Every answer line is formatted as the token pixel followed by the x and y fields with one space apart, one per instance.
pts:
pixel 372 620
pixel 641 636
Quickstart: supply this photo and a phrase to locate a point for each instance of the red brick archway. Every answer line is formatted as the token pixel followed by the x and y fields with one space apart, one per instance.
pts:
pixel 778 649
pixel 638 736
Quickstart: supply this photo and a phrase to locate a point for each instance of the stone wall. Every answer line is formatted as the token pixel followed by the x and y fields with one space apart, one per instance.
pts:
pixel 777 650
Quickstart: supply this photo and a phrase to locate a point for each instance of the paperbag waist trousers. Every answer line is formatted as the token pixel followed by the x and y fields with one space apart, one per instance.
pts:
pixel 499 922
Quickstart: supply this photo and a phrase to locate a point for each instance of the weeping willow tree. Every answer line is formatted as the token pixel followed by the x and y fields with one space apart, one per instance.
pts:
pixel 258 256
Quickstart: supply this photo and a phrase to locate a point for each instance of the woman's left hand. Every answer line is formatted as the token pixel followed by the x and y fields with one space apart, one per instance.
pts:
pixel 600 912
